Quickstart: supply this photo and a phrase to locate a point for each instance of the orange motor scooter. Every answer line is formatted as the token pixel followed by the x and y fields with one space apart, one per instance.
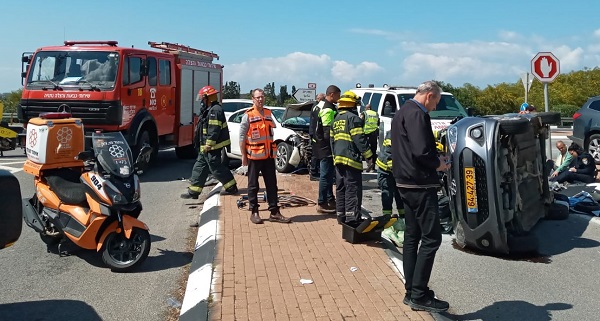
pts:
pixel 89 197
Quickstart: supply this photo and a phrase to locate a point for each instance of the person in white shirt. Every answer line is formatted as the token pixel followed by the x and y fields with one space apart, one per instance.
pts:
pixel 562 160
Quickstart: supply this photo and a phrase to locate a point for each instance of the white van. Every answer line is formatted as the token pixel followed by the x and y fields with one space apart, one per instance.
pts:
pixel 386 100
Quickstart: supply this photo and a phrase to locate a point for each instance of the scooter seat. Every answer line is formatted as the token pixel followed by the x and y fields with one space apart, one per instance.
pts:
pixel 66 185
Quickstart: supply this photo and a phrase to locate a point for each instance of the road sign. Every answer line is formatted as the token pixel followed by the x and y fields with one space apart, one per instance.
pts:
pixel 304 95
pixel 312 85
pixel 545 67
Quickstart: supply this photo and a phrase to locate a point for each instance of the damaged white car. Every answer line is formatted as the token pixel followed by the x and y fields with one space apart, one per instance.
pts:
pixel 291 136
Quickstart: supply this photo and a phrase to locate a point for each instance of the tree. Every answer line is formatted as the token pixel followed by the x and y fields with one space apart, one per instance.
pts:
pixel 270 96
pixel 283 95
pixel 11 101
pixel 231 90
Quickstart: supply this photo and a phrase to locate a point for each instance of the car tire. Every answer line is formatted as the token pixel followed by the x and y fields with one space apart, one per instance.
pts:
pixel 549 118
pixel 593 147
pixel 522 244
pixel 282 158
pixel 513 125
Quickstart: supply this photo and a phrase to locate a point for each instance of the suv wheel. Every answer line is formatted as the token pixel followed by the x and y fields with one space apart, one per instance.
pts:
pixel 594 147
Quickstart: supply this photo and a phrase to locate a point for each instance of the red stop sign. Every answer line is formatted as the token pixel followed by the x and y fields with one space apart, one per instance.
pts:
pixel 545 66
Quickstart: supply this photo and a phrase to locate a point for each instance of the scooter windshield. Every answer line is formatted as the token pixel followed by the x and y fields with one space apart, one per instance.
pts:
pixel 113 153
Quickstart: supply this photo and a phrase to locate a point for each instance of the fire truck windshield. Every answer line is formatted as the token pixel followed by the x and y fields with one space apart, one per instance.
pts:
pixel 81 69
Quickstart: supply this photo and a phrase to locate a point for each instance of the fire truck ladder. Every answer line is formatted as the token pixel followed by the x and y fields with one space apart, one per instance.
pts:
pixel 168 47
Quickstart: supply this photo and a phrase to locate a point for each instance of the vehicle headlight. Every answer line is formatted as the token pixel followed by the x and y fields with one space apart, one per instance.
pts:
pixel 115 196
pixel 452 137
pixel 477 133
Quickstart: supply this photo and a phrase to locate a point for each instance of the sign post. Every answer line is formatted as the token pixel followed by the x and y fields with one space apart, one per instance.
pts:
pixel 545 67
pixel 304 95
pixel 527 79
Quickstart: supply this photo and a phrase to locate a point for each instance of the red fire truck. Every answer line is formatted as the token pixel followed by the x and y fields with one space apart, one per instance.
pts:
pixel 148 95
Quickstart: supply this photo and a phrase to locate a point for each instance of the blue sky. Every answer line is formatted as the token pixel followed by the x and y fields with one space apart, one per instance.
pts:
pixel 326 42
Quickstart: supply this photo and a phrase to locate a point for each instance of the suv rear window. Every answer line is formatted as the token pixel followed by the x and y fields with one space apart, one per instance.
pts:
pixel 595 105
pixel 447 108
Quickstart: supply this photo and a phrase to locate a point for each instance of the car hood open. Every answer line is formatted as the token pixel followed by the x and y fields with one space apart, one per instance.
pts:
pixel 297 116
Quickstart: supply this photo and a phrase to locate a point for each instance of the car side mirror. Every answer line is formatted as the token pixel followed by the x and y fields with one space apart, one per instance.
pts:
pixel 11 216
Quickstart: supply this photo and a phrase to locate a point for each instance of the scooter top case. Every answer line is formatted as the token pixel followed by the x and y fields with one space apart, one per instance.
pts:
pixel 53 141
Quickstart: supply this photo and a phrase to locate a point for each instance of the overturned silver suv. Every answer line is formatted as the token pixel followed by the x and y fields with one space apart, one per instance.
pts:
pixel 497 185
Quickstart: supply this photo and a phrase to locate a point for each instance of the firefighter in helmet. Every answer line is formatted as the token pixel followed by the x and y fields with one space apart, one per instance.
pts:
pixel 212 135
pixel 349 146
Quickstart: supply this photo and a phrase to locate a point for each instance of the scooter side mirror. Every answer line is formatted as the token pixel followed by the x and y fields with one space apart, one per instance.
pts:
pixel 144 155
pixel 11 211
pixel 85 155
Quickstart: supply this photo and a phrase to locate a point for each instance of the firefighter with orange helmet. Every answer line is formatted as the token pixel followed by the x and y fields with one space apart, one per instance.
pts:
pixel 212 135
pixel 349 146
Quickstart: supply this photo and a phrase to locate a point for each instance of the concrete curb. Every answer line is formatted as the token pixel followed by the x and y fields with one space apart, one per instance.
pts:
pixel 198 289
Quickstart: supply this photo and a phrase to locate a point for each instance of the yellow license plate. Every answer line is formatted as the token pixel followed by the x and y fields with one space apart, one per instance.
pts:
pixel 470 190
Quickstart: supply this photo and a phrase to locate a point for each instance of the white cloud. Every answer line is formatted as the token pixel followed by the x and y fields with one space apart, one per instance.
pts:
pixel 298 68
pixel 597 33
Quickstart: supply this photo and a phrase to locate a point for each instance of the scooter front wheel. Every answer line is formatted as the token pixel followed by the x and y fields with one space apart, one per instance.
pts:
pixel 122 254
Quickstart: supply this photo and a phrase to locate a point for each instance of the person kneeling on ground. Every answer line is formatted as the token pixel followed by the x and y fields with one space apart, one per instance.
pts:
pixel 581 169
pixel 389 192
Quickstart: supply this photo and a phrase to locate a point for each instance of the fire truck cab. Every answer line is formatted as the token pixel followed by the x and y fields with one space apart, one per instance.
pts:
pixel 148 95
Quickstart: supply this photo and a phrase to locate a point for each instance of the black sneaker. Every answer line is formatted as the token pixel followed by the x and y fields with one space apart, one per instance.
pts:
pixel 429 304
pixel 314 178
pixel 406 299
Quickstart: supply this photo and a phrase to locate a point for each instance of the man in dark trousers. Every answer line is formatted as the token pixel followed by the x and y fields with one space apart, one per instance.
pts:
pixel 213 135
pixel 325 116
pixel 258 153
pixel 416 163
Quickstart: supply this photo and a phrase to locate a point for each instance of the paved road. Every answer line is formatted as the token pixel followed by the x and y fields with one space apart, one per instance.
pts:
pixel 38 285
pixel 559 284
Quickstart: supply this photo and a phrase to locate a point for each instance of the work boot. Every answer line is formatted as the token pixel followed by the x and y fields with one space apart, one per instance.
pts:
pixel 190 195
pixel 314 178
pixel 255 217
pixel 233 190
pixel 277 217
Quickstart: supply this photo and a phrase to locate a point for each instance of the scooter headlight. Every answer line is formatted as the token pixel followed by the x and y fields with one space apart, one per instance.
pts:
pixel 115 196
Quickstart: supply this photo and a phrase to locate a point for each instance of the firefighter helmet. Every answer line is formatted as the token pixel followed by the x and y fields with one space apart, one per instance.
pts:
pixel 348 100
pixel 208 91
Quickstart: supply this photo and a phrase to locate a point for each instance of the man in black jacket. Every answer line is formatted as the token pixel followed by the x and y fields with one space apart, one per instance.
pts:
pixel 322 149
pixel 416 163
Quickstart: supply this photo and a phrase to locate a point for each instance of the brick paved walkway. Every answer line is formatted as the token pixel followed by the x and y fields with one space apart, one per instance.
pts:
pixel 258 267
